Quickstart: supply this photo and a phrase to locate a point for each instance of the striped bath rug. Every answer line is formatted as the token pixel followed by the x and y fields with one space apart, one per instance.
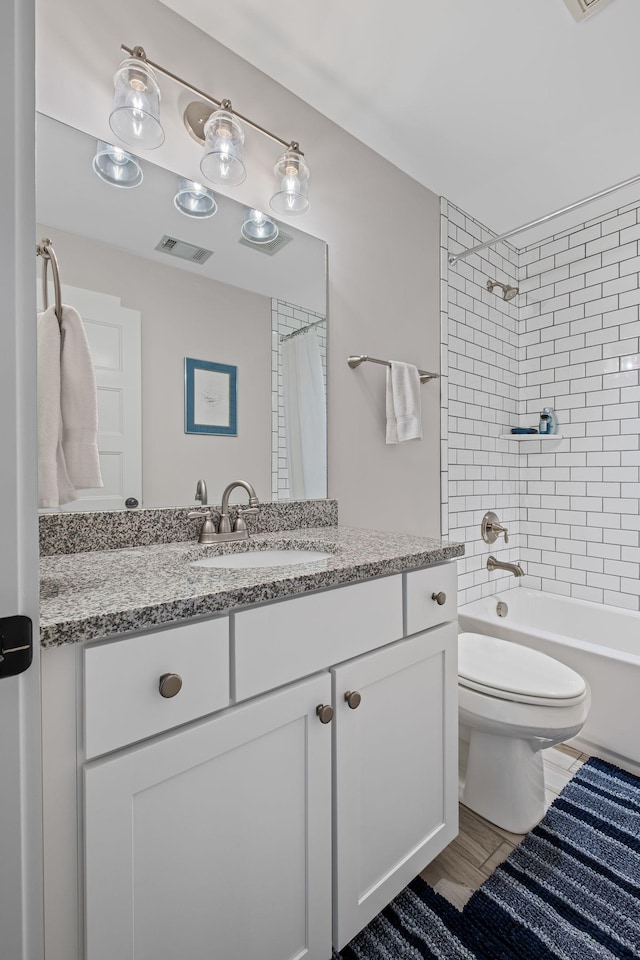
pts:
pixel 570 891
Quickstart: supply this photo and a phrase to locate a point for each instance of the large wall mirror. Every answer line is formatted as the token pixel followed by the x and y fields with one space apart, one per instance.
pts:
pixel 209 347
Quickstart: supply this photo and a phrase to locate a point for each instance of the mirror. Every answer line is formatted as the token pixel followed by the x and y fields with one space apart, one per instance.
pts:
pixel 193 329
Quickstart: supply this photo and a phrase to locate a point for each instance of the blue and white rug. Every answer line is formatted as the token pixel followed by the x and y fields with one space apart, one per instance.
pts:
pixel 570 891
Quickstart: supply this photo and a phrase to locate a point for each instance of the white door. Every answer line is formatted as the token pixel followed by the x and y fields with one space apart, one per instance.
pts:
pixel 20 778
pixel 113 332
pixel 214 843
pixel 395 772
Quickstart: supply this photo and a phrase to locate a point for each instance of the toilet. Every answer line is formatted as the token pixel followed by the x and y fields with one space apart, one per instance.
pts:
pixel 513 703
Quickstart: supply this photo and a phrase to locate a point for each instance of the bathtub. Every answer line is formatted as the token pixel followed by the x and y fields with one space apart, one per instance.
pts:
pixel 599 642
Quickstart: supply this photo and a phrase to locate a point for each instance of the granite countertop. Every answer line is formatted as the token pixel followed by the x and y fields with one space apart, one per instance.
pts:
pixel 110 592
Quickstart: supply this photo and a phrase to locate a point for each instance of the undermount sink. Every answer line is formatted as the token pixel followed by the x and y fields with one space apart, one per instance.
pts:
pixel 262 558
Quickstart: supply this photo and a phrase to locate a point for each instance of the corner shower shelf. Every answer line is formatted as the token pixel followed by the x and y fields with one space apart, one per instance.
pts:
pixel 531 436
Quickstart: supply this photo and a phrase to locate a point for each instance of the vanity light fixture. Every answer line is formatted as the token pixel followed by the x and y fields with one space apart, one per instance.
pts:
pixel 116 167
pixel 214 123
pixel 194 200
pixel 291 195
pixel 135 117
pixel 223 141
pixel 257 228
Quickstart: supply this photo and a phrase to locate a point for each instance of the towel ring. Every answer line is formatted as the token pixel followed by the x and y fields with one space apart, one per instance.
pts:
pixel 45 250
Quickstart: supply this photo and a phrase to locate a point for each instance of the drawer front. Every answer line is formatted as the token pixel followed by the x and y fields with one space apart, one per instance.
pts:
pixel 122 698
pixel 422 611
pixel 284 641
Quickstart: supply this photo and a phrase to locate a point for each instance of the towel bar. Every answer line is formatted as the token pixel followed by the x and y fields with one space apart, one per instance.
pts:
pixel 354 362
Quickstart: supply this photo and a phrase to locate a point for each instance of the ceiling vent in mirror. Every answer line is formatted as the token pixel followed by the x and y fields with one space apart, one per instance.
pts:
pixel 271 247
pixel 581 9
pixel 183 250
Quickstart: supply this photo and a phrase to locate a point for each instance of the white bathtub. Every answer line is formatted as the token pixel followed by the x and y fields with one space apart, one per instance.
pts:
pixel 601 643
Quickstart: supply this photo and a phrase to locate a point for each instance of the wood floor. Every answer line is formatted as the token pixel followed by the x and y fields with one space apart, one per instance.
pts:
pixel 480 846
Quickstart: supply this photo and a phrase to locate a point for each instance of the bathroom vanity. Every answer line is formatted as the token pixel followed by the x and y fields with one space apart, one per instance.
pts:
pixel 243 761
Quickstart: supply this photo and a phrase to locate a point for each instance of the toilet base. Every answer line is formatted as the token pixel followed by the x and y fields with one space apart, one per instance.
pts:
pixel 504 781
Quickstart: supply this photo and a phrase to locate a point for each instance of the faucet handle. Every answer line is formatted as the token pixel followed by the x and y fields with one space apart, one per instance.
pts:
pixel 491 528
pixel 240 523
pixel 201 514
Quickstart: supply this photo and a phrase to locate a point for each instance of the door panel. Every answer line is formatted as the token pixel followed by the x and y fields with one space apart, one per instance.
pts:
pixel 214 843
pixel 395 772
pixel 21 920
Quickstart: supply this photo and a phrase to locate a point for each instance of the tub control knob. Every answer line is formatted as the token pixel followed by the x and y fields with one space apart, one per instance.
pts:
pixel 440 598
pixel 170 685
pixel 324 713
pixel 353 698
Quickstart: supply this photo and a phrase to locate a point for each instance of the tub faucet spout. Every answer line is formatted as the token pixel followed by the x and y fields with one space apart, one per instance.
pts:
pixel 514 568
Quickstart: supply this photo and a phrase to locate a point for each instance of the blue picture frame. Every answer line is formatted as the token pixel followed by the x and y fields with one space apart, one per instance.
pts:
pixel 210 398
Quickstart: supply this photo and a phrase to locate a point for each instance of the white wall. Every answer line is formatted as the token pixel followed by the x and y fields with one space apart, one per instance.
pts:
pixel 185 316
pixel 380 225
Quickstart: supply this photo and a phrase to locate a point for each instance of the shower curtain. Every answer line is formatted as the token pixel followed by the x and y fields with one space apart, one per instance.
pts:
pixel 305 416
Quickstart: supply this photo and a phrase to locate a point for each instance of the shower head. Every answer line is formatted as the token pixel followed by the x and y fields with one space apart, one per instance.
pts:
pixel 508 293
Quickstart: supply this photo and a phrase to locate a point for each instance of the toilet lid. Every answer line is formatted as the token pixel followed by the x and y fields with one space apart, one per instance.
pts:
pixel 506 670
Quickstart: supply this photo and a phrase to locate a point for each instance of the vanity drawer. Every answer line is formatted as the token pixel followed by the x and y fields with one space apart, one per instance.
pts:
pixel 122 699
pixel 422 611
pixel 284 641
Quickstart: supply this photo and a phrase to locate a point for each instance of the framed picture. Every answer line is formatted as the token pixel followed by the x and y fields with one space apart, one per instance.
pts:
pixel 210 398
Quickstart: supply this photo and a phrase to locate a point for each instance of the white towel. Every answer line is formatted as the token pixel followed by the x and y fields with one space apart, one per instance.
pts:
pixel 78 403
pixel 404 414
pixel 54 485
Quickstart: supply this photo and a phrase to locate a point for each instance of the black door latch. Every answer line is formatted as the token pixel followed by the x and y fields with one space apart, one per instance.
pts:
pixel 16 645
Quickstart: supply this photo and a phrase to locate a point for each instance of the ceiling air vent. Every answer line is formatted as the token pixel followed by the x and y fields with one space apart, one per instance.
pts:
pixel 183 250
pixel 581 9
pixel 271 247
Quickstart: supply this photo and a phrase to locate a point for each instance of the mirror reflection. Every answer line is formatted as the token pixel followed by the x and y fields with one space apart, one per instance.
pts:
pixel 206 323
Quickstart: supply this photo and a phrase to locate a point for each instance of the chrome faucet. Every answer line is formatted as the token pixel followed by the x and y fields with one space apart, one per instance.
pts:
pixel 209 533
pixel 514 568
pixel 239 531
pixel 201 492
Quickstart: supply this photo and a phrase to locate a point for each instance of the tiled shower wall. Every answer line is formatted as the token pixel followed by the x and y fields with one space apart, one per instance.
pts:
pixel 572 339
pixel 580 354
pixel 480 358
pixel 285 318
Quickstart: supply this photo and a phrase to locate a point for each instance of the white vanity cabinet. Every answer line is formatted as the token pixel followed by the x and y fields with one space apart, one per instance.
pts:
pixel 255 831
pixel 214 842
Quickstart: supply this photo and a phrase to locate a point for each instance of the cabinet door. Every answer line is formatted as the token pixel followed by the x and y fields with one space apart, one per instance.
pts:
pixel 395 774
pixel 214 843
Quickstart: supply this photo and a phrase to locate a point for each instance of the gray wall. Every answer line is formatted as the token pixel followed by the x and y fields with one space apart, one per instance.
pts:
pixel 185 316
pixel 381 226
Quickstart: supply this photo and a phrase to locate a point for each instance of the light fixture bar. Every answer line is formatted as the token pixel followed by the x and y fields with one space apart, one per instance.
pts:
pixel 454 257
pixel 139 54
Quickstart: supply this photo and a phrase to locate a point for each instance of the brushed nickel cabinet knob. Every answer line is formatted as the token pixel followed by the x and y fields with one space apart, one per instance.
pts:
pixel 170 685
pixel 324 713
pixel 353 699
pixel 440 598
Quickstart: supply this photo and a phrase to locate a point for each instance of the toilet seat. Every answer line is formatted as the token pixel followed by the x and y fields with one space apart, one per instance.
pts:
pixel 507 671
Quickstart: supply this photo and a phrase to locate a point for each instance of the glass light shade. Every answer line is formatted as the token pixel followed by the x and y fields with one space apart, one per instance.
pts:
pixel 291 196
pixel 222 161
pixel 116 167
pixel 194 200
pixel 135 117
pixel 257 228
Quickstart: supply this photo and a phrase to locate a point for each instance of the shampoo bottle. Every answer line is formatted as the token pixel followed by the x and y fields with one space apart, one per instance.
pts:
pixel 548 421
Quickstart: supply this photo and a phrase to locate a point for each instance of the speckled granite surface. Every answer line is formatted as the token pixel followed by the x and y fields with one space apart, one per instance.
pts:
pixel 109 592
pixel 115 529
